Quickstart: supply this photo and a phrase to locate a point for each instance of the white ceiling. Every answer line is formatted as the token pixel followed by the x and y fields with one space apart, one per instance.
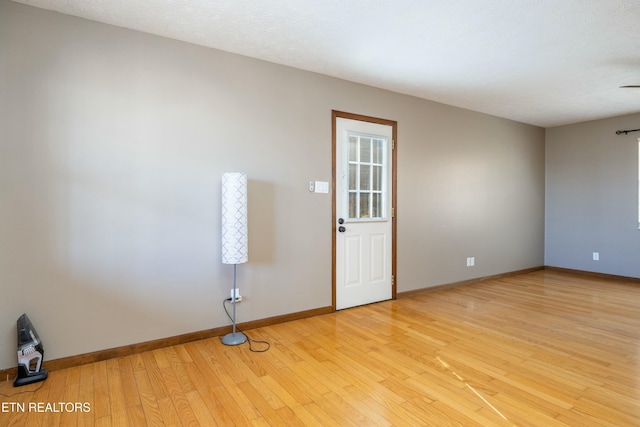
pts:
pixel 543 62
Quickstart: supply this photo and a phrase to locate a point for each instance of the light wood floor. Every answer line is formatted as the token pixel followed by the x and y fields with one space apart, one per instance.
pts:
pixel 541 349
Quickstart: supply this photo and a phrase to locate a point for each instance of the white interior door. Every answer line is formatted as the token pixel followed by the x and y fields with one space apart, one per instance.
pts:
pixel 363 212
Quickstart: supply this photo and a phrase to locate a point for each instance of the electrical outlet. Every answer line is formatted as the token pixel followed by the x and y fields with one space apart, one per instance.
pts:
pixel 596 256
pixel 238 297
pixel 471 261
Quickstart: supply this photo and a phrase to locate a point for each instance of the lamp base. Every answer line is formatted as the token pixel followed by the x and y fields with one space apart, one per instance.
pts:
pixel 234 339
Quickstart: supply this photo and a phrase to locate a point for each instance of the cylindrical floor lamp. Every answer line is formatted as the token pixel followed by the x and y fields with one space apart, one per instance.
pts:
pixel 235 241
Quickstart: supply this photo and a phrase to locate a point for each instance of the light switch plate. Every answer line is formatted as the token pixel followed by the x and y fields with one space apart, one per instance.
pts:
pixel 322 187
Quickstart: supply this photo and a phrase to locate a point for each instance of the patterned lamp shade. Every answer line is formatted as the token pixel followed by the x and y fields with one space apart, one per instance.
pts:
pixel 235 240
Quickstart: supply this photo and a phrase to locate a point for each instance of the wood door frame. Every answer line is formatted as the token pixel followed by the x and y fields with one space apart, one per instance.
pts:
pixel 394 196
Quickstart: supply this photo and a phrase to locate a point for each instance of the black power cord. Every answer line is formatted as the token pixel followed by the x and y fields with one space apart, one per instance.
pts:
pixel 249 340
pixel 23 392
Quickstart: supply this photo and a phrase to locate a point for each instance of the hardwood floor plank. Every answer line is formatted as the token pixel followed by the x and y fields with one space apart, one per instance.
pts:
pixel 262 405
pixel 178 397
pixel 102 405
pixel 148 398
pixel 137 363
pixel 622 415
pixel 505 392
pixel 380 401
pixel 296 385
pixel 278 390
pixel 117 400
pixel 128 379
pixel 178 367
pixel 199 369
pixel 332 409
pixel 513 406
pixel 200 409
pixel 71 394
pixel 574 418
pixel 86 396
pixel 597 412
pixel 312 383
pixel 169 413
pixel 323 417
pixel 228 410
pixel 243 404
pixel 429 412
pixel 154 375
pixel 136 415
pixel 312 415
pixel 104 421
pixel 544 348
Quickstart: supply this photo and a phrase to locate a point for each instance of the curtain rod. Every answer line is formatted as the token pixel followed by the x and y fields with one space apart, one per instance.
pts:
pixel 618 132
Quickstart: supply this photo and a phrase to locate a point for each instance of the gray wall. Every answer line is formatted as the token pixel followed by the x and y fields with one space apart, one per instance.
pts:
pixel 112 143
pixel 592 197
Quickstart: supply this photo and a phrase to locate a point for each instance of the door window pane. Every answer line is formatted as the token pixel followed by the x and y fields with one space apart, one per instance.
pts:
pixel 378 151
pixel 376 205
pixel 353 148
pixel 366 178
pixel 353 177
pixel 364 205
pixel 376 179
pixel 353 205
pixel 365 150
